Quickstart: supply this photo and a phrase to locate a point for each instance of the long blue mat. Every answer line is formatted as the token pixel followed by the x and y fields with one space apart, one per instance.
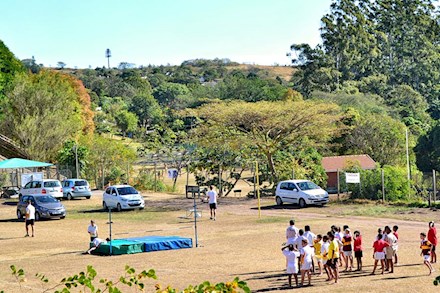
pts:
pixel 156 243
pixel 143 244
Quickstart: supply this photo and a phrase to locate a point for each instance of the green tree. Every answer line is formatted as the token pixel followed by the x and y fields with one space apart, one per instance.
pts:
pixel 104 155
pixel 173 95
pixel 427 150
pixel 9 67
pixel 126 121
pixel 42 111
pixel 148 110
pixel 270 126
pixel 381 137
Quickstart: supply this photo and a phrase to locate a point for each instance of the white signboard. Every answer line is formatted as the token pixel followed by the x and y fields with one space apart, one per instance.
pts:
pixel 172 173
pixel 352 177
pixel 28 177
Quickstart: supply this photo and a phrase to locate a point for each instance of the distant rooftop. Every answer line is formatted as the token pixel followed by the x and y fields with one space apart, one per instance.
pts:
pixel 334 163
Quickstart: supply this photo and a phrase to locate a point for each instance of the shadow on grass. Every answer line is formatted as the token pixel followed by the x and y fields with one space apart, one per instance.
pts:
pixel 15 220
pixel 10 203
pixel 286 207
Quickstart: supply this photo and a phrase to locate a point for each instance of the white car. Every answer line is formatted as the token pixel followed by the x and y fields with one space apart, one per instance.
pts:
pixel 301 192
pixel 122 197
pixel 43 187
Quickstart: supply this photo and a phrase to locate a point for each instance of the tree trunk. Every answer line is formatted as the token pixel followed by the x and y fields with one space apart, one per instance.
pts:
pixel 274 175
pixel 235 183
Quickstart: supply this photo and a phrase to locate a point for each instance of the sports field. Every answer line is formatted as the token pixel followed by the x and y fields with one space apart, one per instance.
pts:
pixel 239 244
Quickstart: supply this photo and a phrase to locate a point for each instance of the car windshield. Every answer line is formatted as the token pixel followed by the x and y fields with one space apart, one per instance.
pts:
pixel 127 190
pixel 45 199
pixel 52 184
pixel 81 183
pixel 307 185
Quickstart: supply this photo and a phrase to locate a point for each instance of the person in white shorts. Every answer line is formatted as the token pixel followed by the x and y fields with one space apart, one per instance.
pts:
pixel 291 255
pixel 379 254
pixel 307 253
pixel 212 198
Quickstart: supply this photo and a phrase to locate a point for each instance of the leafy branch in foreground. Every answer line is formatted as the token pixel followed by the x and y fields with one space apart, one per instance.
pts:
pixel 85 281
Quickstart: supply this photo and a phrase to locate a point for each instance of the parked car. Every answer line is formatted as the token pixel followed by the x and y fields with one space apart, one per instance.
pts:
pixel 45 186
pixel 76 188
pixel 301 192
pixel 46 206
pixel 10 192
pixel 122 197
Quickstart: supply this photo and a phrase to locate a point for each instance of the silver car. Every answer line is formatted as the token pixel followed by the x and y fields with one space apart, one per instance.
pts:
pixel 76 188
pixel 46 206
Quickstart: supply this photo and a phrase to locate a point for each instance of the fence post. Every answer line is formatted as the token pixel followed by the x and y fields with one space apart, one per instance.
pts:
pixel 383 186
pixel 337 172
pixel 155 176
pixel 434 189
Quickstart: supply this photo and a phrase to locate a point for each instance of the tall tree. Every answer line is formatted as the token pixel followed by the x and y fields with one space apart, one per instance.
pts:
pixel 270 126
pixel 42 111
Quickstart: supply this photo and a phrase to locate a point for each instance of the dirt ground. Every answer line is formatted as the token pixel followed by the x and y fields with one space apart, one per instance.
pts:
pixel 239 243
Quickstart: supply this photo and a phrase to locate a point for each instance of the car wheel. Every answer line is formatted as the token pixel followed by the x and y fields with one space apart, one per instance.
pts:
pixel 69 196
pixel 104 205
pixel 37 216
pixel 279 201
pixel 87 197
pixel 141 208
pixel 62 217
pixel 19 215
pixel 302 203
pixel 118 207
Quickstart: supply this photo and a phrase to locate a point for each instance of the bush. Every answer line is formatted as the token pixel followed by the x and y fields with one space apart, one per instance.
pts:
pixel 145 181
pixel 395 182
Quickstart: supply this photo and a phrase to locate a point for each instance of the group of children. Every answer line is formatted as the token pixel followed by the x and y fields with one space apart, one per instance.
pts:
pixel 337 248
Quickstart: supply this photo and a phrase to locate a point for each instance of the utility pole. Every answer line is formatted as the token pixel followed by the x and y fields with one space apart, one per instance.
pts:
pixel 76 161
pixel 108 54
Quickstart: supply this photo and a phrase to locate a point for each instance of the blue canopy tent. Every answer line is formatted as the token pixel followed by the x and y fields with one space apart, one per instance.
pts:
pixel 16 163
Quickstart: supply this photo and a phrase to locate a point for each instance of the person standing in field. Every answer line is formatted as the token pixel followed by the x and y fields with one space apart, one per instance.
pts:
pixel 317 245
pixel 396 258
pixel 426 247
pixel 212 199
pixel 333 256
pixel 357 247
pixel 347 249
pixel 291 255
pixel 30 218
pixel 310 236
pixel 390 249
pixel 291 232
pixel 379 254
pixel 92 230
pixel 432 237
pixel 306 253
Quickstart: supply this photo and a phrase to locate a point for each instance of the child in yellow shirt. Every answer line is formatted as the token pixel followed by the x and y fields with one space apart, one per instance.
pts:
pixel 317 245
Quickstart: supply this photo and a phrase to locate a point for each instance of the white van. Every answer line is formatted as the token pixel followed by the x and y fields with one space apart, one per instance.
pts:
pixel 43 187
pixel 301 192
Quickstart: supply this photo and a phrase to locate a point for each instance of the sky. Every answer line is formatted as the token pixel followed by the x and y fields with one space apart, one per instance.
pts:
pixel 158 32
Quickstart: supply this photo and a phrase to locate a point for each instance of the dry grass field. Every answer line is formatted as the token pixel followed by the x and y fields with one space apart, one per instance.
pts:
pixel 239 244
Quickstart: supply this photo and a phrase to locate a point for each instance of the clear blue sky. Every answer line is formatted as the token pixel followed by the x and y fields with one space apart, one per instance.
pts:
pixel 144 32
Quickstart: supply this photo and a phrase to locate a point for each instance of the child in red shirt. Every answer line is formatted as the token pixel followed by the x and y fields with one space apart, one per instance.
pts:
pixel 379 254
pixel 357 247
